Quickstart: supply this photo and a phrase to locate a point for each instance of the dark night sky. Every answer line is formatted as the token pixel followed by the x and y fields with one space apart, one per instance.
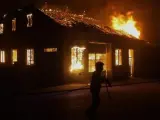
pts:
pixel 145 11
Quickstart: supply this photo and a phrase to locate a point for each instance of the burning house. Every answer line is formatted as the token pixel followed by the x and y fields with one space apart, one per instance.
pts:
pixel 50 47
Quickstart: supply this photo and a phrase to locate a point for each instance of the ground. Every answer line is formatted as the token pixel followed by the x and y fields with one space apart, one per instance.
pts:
pixel 131 102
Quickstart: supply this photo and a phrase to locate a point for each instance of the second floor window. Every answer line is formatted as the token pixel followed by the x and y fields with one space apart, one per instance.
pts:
pixel 1 28
pixel 30 56
pixel 14 24
pixel 29 20
pixel 2 56
pixel 118 57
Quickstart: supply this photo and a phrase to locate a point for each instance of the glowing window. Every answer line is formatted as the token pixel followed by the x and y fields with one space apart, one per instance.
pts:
pixel 14 24
pixel 131 57
pixel 131 61
pixel 2 56
pixel 14 56
pixel 118 57
pixel 1 28
pixel 77 60
pixel 30 56
pixel 92 61
pixel 30 21
pixel 96 57
pixel 50 50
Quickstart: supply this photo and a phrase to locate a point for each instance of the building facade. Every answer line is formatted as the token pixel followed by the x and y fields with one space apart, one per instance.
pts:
pixel 38 50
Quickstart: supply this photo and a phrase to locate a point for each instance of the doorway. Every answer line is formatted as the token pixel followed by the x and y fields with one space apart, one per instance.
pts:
pixel 98 51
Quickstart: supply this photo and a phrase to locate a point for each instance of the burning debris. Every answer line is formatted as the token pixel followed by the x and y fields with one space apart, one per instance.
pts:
pixel 68 19
pixel 125 23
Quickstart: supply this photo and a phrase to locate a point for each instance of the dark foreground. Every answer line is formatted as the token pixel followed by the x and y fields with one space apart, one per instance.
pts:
pixel 133 102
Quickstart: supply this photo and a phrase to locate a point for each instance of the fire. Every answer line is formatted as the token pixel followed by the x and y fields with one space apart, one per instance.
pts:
pixel 77 58
pixel 76 66
pixel 126 24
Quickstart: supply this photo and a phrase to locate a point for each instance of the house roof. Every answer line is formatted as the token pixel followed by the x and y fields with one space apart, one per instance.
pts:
pixel 69 19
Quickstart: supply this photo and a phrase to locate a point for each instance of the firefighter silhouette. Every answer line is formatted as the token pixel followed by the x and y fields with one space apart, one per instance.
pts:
pixel 97 79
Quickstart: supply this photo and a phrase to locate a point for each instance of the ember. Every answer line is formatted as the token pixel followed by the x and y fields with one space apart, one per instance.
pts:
pixel 126 24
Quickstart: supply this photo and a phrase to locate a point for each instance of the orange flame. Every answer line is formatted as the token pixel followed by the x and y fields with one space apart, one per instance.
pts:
pixel 125 23
pixel 77 58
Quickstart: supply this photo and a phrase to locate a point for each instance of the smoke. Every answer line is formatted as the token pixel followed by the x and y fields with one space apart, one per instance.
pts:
pixel 98 9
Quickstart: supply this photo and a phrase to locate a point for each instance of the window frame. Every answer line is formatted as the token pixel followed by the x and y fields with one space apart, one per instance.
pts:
pixel 118 61
pixel 2 57
pixel 14 24
pixel 1 25
pixel 31 60
pixel 76 58
pixel 95 60
pixel 13 62
pixel 29 20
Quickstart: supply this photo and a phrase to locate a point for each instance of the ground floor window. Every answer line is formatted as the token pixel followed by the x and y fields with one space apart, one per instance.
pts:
pixel 131 61
pixel 14 56
pixel 30 56
pixel 118 57
pixel 131 52
pixel 95 57
pixel 77 58
pixel 2 56
pixel 50 49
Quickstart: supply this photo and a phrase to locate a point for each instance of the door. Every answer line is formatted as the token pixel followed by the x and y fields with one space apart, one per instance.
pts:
pixel 97 52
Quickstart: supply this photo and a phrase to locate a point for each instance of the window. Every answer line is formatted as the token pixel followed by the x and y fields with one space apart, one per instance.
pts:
pixel 29 19
pixel 131 61
pixel 96 57
pixel 14 56
pixel 1 28
pixel 92 61
pixel 131 53
pixel 14 24
pixel 2 56
pixel 118 57
pixel 30 56
pixel 77 60
pixel 50 50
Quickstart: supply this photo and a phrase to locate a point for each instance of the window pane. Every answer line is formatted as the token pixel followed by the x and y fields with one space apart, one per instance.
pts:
pixel 14 24
pixel 92 60
pixel 14 56
pixel 77 58
pixel 130 53
pixel 29 18
pixel 101 58
pixel 2 55
pixel 118 57
pixel 30 56
pixel 131 57
pixel 1 28
pixel 98 57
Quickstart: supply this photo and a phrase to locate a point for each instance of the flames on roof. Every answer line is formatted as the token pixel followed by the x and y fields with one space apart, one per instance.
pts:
pixel 68 19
